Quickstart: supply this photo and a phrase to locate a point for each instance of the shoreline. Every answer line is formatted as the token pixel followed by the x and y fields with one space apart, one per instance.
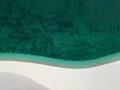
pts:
pixel 59 62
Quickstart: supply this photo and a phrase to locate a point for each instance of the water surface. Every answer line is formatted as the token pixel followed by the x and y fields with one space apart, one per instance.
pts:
pixel 65 30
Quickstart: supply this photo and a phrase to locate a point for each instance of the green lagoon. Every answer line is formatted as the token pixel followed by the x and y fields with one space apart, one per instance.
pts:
pixel 60 32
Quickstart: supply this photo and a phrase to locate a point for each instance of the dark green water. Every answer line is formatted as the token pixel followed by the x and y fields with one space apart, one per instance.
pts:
pixel 64 29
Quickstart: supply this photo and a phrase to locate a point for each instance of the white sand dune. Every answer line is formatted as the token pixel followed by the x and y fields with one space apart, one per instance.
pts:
pixel 11 81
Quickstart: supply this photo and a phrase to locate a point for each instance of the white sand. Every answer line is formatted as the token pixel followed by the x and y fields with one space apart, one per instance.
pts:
pixel 104 77
pixel 11 81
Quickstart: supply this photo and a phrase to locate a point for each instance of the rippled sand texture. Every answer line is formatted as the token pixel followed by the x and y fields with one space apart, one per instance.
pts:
pixel 66 30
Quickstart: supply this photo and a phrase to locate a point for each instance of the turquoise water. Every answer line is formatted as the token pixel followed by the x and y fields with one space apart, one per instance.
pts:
pixel 59 62
pixel 64 30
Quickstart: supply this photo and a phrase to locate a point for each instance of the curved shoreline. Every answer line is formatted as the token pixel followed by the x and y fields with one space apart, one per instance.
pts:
pixel 59 62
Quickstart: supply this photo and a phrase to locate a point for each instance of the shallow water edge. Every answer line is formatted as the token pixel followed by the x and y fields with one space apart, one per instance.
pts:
pixel 59 62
